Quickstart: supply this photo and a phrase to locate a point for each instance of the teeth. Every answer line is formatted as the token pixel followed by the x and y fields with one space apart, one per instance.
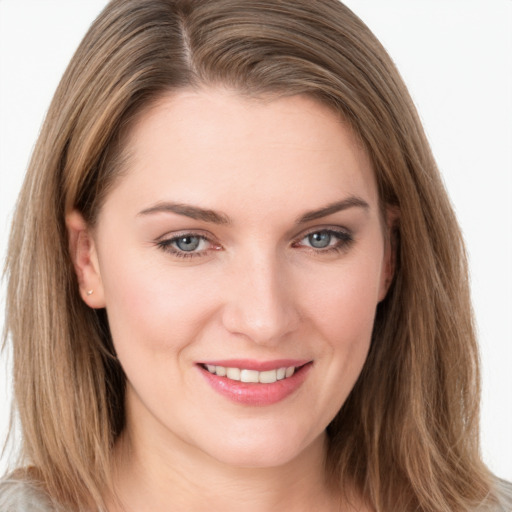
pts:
pixel 233 373
pixel 249 376
pixel 268 377
pixel 252 376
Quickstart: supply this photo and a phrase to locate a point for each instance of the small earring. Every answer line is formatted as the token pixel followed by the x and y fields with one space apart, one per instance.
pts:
pixel 89 292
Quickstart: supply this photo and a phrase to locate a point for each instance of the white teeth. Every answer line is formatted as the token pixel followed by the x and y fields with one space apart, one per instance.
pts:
pixel 249 376
pixel 252 376
pixel 268 377
pixel 233 373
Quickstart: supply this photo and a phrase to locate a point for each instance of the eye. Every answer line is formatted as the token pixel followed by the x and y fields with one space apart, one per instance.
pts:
pixel 320 240
pixel 326 240
pixel 187 245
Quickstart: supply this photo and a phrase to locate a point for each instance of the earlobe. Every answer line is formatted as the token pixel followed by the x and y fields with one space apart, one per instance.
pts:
pixel 82 249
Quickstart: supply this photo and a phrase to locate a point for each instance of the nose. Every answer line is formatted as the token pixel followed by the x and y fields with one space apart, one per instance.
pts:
pixel 260 303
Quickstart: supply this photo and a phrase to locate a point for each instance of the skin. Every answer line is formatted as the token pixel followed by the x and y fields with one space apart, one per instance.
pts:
pixel 255 289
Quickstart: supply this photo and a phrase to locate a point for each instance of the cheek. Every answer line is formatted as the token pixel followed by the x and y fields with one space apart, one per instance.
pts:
pixel 152 306
pixel 346 325
pixel 340 305
pixel 346 303
pixel 344 312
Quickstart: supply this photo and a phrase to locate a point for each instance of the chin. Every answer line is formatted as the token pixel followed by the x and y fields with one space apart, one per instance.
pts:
pixel 262 450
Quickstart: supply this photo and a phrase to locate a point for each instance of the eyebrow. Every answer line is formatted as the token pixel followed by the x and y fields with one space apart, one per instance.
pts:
pixel 345 204
pixel 193 212
pixel 205 215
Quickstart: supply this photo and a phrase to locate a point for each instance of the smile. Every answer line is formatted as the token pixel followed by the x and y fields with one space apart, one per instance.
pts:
pixel 254 383
pixel 252 376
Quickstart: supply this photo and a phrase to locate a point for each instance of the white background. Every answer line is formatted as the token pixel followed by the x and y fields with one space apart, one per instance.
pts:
pixel 455 56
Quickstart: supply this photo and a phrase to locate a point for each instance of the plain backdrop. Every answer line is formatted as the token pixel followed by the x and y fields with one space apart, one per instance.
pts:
pixel 456 58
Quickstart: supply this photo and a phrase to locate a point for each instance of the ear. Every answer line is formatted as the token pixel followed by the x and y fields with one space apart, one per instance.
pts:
pixel 82 249
pixel 390 250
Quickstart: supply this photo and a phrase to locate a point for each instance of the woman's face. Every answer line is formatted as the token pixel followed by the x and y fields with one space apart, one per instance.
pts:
pixel 244 242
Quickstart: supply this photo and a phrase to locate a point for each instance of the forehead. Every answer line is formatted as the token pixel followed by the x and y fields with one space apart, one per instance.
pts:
pixel 214 145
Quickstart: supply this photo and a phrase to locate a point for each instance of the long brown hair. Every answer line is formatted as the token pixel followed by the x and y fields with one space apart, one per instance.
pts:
pixel 408 433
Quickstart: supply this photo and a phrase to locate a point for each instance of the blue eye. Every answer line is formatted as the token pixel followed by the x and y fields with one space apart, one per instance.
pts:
pixel 320 240
pixel 326 240
pixel 188 243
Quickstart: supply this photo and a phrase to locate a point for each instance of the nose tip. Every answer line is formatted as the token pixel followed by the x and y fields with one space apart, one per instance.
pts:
pixel 261 306
pixel 257 325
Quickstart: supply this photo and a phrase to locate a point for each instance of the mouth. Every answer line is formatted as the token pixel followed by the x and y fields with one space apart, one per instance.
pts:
pixel 252 376
pixel 252 383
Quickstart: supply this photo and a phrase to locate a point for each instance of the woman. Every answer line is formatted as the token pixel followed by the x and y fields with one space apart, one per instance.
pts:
pixel 235 277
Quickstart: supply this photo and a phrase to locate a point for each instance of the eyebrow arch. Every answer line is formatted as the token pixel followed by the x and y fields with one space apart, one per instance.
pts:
pixel 205 215
pixel 193 212
pixel 349 202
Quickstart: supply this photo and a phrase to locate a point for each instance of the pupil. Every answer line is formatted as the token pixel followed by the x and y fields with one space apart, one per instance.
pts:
pixel 320 240
pixel 188 243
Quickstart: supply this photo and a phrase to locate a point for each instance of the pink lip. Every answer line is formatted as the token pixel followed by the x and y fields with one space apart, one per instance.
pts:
pixel 256 394
pixel 260 366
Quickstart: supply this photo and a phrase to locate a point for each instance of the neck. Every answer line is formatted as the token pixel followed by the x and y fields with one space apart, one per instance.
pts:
pixel 182 478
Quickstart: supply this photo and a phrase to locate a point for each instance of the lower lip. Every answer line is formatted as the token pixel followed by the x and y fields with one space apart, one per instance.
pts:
pixel 256 394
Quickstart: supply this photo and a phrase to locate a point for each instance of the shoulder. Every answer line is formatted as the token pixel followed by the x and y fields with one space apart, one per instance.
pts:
pixel 22 496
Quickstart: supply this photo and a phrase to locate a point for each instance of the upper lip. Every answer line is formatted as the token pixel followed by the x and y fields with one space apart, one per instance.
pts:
pixel 260 366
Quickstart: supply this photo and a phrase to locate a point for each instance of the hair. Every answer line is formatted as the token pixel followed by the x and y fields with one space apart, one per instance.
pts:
pixel 407 435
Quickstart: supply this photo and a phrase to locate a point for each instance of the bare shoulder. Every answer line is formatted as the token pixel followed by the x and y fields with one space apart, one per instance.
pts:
pixel 22 496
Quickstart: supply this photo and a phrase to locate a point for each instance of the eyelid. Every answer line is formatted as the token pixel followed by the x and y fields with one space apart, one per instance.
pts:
pixel 343 235
pixel 165 242
pixel 172 235
pixel 322 229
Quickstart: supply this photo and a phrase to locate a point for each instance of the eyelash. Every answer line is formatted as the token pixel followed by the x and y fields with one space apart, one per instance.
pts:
pixel 167 245
pixel 344 240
